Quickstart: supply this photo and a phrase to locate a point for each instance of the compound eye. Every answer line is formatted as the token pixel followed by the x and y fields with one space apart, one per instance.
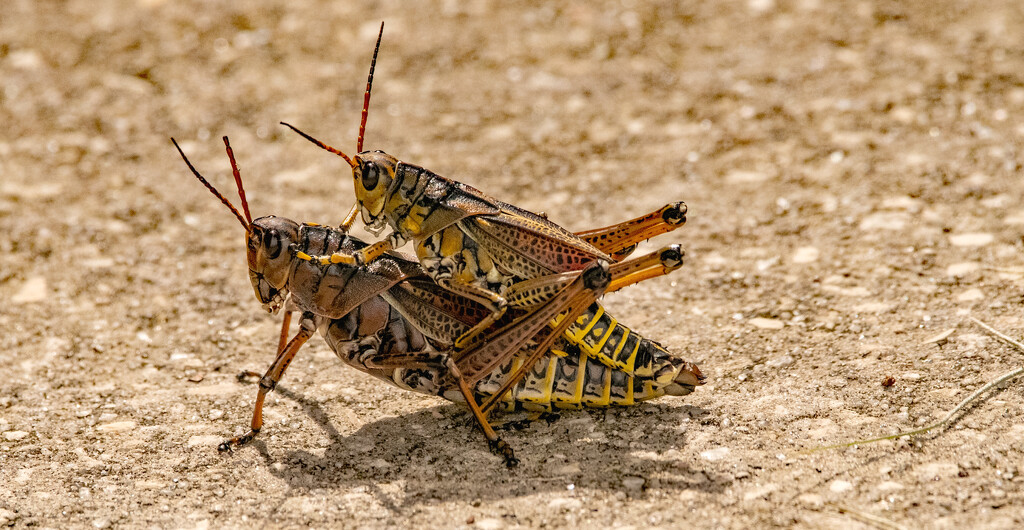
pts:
pixel 370 176
pixel 272 243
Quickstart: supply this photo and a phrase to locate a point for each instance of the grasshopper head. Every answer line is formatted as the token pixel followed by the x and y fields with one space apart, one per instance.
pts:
pixel 267 253
pixel 268 240
pixel 373 172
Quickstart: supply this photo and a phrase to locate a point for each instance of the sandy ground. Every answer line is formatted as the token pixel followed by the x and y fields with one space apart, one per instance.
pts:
pixel 852 171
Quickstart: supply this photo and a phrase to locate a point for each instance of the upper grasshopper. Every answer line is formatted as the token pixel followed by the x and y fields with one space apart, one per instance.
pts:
pixel 492 252
pixel 362 312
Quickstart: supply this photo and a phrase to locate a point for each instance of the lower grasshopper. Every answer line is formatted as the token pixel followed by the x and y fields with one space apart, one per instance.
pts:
pixel 362 313
pixel 484 249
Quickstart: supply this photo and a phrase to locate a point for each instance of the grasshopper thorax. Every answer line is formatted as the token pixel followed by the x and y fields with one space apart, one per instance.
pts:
pixel 268 243
pixel 374 174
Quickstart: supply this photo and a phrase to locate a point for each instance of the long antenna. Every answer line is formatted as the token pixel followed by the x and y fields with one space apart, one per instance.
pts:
pixel 366 97
pixel 210 186
pixel 320 144
pixel 238 179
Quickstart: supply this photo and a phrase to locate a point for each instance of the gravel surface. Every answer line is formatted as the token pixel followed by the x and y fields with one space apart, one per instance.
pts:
pixel 852 171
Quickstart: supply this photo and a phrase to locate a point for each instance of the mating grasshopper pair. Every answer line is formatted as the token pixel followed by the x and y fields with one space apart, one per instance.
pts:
pixel 501 290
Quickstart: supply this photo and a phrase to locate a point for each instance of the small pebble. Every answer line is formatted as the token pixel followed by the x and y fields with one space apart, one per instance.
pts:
pixel 1014 219
pixel 971 295
pixel 767 323
pixel 715 455
pixel 941 338
pixel 911 376
pixel 33 290
pixel 490 523
pixel 634 484
pixel 117 426
pixel 884 221
pixel 840 486
pixel 760 492
pixel 972 239
pixel 14 436
pixel 959 270
pixel 101 523
pixel 889 486
pixel 204 440
pixel 7 517
pixel 806 255
pixel 737 176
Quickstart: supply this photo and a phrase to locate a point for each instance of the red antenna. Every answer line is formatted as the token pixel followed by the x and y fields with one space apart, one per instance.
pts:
pixel 210 186
pixel 238 180
pixel 320 144
pixel 366 97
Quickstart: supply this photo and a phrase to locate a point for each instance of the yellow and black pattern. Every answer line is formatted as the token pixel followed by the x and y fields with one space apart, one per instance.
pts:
pixel 571 376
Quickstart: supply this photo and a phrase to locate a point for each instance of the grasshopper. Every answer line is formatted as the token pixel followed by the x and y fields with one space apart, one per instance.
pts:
pixel 484 249
pixel 362 311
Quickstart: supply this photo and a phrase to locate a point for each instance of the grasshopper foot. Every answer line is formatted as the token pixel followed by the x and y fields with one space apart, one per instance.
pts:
pixel 227 445
pixel 504 450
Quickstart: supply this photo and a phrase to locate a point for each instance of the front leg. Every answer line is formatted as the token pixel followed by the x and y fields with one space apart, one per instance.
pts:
pixel 307 326
pixel 359 257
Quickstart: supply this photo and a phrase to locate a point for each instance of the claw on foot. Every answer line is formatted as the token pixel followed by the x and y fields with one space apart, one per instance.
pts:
pixel 501 448
pixel 227 445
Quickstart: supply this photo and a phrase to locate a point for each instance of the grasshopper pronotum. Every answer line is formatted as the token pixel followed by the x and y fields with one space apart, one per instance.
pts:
pixel 484 249
pixel 389 319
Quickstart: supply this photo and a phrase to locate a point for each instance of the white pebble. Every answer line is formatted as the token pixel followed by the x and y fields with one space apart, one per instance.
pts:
pixel 971 295
pixel 781 361
pixel 33 290
pixel 972 239
pixel 117 426
pixel 806 255
pixel 737 176
pixel 962 269
pixel 760 492
pixel 884 221
pixel 490 523
pixel 911 376
pixel 889 486
pixel 767 323
pixel 760 6
pixel 715 455
pixel 1014 219
pixel 14 436
pixel 840 486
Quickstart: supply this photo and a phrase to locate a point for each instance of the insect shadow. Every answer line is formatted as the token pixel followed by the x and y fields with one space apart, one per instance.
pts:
pixel 634 450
